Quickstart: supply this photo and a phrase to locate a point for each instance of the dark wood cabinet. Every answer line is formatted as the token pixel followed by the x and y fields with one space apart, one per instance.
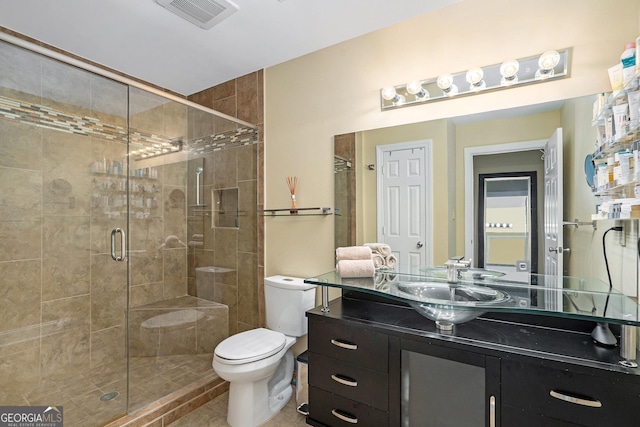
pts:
pixel 376 365
pixel 569 393
pixel 350 377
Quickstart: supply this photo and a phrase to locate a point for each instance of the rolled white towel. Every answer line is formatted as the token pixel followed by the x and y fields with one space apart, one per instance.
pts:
pixel 391 261
pixel 351 268
pixel 379 248
pixel 379 279
pixel 353 252
pixel 378 261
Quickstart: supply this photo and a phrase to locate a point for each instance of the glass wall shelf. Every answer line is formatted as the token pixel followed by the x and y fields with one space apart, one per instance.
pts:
pixel 296 212
pixel 567 297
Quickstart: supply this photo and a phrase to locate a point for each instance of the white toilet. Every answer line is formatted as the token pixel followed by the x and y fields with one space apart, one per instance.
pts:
pixel 259 363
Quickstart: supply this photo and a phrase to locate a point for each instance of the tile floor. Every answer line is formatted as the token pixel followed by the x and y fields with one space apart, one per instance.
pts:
pixel 151 379
pixel 214 414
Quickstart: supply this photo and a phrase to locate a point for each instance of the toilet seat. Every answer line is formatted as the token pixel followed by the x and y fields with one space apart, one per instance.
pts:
pixel 249 346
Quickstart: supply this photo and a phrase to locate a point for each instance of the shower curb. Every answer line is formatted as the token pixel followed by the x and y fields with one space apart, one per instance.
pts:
pixel 175 405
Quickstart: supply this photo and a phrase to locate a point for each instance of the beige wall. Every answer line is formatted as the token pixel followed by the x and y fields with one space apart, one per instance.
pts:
pixel 336 90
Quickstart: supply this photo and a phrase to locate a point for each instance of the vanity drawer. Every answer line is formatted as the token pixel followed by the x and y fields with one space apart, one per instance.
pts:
pixel 352 381
pixel 355 345
pixel 579 398
pixel 337 411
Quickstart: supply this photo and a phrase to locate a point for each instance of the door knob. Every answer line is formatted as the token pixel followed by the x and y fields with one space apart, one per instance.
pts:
pixel 419 244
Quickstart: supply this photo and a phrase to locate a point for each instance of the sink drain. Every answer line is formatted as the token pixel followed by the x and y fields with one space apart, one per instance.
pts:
pixel 109 396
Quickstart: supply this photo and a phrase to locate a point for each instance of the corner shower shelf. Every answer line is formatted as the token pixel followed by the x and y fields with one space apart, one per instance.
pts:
pixel 297 212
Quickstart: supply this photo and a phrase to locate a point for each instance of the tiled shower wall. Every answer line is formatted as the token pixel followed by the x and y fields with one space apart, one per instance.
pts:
pixel 344 146
pixel 241 248
pixel 243 98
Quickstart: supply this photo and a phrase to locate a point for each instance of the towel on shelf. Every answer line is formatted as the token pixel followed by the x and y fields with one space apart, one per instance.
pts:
pixel 353 252
pixel 378 261
pixel 379 280
pixel 379 248
pixel 352 268
pixel 391 261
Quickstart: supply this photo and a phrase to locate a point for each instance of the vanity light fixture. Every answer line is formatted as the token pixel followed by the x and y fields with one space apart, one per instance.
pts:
pixel 550 65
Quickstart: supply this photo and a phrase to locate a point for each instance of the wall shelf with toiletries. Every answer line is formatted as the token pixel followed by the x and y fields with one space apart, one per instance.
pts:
pixel 615 170
pixel 113 191
pixel 296 212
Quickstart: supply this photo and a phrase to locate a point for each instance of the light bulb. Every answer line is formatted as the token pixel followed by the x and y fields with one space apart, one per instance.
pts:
pixel 474 76
pixel 415 88
pixel 549 60
pixel 509 70
pixel 389 93
pixel 445 82
pixel 547 63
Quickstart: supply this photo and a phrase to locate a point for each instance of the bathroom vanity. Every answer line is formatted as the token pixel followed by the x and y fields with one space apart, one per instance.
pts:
pixel 376 360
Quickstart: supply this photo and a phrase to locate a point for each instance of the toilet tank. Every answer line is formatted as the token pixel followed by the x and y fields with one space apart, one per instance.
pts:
pixel 286 301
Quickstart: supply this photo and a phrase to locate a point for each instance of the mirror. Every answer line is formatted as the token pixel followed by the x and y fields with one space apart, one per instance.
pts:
pixel 583 248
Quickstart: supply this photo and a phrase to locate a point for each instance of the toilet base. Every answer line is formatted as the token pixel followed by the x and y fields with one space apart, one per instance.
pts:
pixel 253 403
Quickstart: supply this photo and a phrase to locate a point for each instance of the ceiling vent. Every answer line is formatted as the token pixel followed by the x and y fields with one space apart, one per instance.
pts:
pixel 203 13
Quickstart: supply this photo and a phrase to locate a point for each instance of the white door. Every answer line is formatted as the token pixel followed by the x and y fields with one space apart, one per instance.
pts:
pixel 404 201
pixel 553 217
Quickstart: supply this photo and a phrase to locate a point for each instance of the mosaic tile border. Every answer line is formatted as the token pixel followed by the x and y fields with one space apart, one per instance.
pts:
pixel 152 144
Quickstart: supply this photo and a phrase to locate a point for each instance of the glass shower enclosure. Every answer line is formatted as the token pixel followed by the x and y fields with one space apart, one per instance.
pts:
pixel 115 279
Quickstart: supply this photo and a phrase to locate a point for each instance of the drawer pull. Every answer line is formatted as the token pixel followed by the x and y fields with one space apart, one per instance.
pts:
pixel 343 379
pixel 577 400
pixel 344 416
pixel 344 344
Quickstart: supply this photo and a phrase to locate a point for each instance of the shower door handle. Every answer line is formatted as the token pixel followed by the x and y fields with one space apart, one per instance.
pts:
pixel 123 243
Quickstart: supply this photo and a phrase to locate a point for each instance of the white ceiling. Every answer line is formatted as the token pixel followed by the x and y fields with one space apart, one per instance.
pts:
pixel 146 41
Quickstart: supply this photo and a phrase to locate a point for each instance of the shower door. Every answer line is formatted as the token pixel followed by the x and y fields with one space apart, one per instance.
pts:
pixel 63 178
pixel 107 195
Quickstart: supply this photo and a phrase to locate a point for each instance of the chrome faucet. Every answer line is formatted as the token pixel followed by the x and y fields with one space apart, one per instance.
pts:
pixel 455 266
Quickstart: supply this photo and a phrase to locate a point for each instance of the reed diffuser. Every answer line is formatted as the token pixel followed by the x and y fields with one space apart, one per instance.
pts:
pixel 292 182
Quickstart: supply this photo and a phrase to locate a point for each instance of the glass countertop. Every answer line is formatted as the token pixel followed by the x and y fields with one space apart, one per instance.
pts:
pixel 480 291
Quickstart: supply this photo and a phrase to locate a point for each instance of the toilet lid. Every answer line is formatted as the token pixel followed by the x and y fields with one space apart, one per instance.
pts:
pixel 250 346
